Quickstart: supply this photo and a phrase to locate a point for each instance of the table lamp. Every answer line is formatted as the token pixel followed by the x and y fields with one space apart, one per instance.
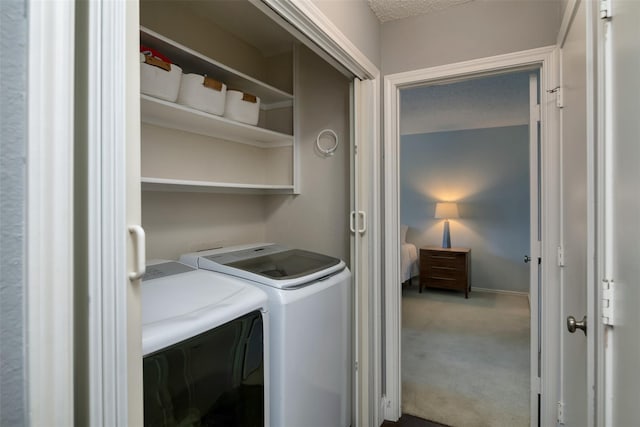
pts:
pixel 446 210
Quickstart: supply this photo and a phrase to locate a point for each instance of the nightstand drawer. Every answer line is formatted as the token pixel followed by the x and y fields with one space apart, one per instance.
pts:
pixel 445 260
pixel 445 272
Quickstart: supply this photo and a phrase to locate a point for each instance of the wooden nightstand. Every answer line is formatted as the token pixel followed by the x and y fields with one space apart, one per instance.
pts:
pixel 446 269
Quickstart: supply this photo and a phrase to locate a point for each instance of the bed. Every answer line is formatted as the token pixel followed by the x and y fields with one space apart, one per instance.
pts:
pixel 408 257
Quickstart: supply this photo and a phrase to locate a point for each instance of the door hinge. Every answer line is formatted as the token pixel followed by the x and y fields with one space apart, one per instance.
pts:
pixel 355 365
pixel 536 113
pixel 560 256
pixel 605 9
pixel 386 402
pixel 608 302
pixel 536 385
pixel 560 412
pixel 558 91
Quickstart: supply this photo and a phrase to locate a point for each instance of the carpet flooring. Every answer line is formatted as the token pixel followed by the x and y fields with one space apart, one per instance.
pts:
pixel 465 362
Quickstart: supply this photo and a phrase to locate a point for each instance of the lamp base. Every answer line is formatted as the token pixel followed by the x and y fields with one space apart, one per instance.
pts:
pixel 446 236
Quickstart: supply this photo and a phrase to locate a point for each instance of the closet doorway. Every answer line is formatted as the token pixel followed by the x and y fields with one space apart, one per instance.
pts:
pixel 115 200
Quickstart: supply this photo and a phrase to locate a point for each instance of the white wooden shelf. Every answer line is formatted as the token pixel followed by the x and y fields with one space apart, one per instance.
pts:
pixel 194 62
pixel 170 115
pixel 166 184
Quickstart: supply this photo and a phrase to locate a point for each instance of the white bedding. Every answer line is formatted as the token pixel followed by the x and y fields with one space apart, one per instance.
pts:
pixel 408 261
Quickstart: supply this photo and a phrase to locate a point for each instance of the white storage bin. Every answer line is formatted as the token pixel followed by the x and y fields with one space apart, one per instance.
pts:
pixel 202 93
pixel 158 81
pixel 242 107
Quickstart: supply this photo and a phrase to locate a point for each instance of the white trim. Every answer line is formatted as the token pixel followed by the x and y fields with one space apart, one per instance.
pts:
pixel 375 248
pixel 49 229
pixel 545 58
pixel 392 298
pixel 501 291
pixel 297 179
pixel 604 221
pixel 534 246
pixel 461 70
pixel 593 284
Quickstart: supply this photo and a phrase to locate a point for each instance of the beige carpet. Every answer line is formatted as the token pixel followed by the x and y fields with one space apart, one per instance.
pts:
pixel 465 362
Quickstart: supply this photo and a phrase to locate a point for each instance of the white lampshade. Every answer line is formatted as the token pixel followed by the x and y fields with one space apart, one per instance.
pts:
pixel 446 210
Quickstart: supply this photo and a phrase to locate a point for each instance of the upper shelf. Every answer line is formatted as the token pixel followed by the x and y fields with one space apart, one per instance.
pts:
pixel 194 62
pixel 180 185
pixel 175 116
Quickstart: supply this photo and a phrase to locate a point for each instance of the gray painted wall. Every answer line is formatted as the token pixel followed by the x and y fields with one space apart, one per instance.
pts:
pixel 13 128
pixel 317 219
pixel 473 30
pixel 176 223
pixel 357 21
pixel 487 172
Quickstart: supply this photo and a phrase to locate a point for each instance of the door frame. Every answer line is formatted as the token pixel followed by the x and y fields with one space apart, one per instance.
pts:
pixel 546 59
pixel 49 219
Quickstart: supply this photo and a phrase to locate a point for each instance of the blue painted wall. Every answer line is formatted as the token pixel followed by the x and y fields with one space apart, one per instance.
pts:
pixel 487 172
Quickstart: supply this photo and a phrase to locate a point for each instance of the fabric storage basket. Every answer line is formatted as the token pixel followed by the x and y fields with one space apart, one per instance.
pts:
pixel 202 93
pixel 242 107
pixel 159 78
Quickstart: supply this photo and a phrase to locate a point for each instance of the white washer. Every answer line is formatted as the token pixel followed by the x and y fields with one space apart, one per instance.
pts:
pixel 310 307
pixel 205 342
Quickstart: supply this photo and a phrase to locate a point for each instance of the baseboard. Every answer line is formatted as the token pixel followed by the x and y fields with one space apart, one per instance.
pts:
pixel 500 291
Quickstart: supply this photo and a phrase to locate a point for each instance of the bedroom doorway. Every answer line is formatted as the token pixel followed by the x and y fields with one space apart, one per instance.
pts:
pixel 466 355
pixel 536 63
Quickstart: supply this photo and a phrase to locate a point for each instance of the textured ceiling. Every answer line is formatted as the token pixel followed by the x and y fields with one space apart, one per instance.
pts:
pixel 389 10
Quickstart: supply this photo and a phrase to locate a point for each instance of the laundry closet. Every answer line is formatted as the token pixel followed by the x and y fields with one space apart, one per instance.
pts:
pixel 209 182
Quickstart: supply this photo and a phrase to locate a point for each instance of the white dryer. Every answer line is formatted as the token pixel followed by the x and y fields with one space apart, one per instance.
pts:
pixel 205 348
pixel 310 308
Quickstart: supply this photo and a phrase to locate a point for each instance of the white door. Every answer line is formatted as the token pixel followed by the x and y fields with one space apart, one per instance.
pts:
pixel 621 248
pixel 363 252
pixel 574 221
pixel 136 258
pixel 109 66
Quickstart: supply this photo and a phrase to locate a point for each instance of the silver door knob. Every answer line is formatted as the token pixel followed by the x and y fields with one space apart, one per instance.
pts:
pixel 527 259
pixel 572 324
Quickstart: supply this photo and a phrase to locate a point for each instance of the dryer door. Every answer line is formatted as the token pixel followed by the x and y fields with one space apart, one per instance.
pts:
pixel 215 378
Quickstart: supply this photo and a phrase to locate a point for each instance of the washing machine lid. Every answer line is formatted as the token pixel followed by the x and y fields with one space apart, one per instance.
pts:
pixel 270 264
pixel 179 302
